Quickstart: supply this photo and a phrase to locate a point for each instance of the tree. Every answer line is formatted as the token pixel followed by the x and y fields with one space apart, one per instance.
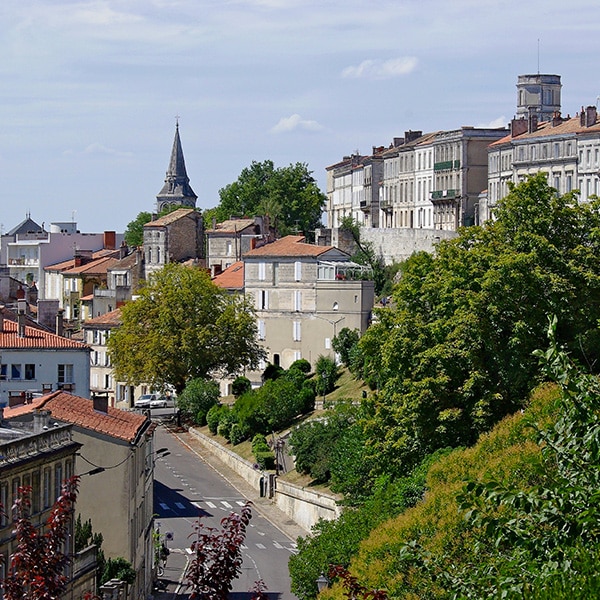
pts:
pixel 289 196
pixel 134 233
pixel 344 343
pixel 198 397
pixel 453 355
pixel 217 556
pixel 183 327
pixel 37 566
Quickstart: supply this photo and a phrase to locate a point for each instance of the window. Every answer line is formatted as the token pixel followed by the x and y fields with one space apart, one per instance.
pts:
pixel 35 492
pixel 4 502
pixel 297 331
pixel 297 300
pixel 229 248
pixel 262 269
pixel 275 273
pixel 297 270
pixel 3 370
pixel 327 343
pixel 15 371
pixel 263 300
pixel 261 329
pixel 65 373
pixel 30 371
pixel 58 480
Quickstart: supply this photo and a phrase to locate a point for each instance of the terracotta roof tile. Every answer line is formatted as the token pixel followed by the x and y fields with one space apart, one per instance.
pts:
pixel 231 278
pixel 112 318
pixel 35 339
pixel 289 246
pixel 232 226
pixel 69 264
pixel 80 411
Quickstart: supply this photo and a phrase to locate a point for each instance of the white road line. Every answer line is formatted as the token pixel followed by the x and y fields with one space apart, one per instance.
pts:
pixel 260 532
pixel 278 545
pixel 261 547
pixel 226 504
pixel 240 502
pixel 211 505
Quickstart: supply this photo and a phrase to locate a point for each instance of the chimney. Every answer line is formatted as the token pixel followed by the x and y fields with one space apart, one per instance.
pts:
pixel 21 313
pixel 2 318
pixel 41 418
pixel 60 322
pixel 590 116
pixel 100 402
pixel 518 127
pixel 123 250
pixel 110 240
pixel 411 136
pixel 532 122
pixel 556 118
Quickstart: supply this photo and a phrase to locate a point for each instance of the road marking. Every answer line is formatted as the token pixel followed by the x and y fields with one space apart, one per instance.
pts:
pixel 226 504
pixel 260 532
pixel 278 545
pixel 261 547
pixel 210 505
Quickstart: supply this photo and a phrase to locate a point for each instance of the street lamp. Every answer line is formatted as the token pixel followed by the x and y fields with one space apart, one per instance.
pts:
pixel 322 582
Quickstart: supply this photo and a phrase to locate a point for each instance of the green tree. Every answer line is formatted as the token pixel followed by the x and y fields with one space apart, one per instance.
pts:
pixel 344 343
pixel 134 233
pixel 183 327
pixel 198 397
pixel 453 354
pixel 289 196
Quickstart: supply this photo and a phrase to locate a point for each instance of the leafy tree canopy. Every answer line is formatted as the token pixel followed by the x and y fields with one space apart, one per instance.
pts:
pixel 453 354
pixel 183 327
pixel 289 196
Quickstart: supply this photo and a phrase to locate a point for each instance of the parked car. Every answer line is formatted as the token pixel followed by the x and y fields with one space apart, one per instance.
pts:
pixel 158 402
pixel 144 401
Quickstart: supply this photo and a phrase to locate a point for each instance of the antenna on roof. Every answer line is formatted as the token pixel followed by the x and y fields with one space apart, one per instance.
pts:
pixel 538 56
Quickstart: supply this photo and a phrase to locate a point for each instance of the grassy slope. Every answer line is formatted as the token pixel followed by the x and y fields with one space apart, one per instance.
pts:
pixel 507 454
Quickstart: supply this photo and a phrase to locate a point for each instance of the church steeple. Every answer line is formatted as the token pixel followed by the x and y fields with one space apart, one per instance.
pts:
pixel 177 190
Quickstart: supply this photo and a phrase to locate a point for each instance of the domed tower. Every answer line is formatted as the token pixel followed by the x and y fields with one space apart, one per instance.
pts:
pixel 176 192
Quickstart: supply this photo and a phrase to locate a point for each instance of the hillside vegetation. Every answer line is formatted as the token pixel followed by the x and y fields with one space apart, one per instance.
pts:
pixel 452 363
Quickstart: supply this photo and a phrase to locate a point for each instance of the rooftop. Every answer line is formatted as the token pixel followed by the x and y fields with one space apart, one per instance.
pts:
pixel 116 423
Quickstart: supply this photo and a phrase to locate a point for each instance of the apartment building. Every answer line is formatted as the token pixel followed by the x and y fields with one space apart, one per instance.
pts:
pixel 304 294
pixel 566 149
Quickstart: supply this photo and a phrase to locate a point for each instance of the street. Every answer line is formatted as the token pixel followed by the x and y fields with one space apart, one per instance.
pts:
pixel 185 488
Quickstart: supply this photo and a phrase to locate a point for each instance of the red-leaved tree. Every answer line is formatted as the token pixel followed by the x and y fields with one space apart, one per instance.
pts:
pixel 36 568
pixel 217 556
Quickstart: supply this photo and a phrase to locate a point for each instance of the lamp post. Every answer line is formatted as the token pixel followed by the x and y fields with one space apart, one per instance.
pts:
pixel 322 582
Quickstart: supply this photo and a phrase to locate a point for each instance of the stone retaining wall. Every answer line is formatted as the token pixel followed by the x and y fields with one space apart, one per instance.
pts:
pixel 304 506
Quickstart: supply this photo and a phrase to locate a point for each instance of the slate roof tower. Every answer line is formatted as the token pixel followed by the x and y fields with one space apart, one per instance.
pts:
pixel 176 192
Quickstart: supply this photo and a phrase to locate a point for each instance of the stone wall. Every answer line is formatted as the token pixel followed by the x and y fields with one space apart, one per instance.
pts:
pixel 304 506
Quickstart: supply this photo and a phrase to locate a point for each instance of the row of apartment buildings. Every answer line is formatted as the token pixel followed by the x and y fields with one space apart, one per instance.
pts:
pixel 447 179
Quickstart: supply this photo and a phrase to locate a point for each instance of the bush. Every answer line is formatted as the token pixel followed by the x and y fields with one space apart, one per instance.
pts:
pixel 302 365
pixel 237 434
pixel 213 416
pixel 240 386
pixel 265 460
pixel 198 397
pixel 272 372
pixel 326 374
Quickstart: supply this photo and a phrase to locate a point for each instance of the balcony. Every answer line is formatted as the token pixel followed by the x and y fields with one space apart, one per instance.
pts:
pixel 443 194
pixel 446 165
pixel 365 205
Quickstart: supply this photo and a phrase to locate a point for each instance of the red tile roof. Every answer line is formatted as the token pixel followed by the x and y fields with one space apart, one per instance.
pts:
pixel 35 339
pixel 231 278
pixel 80 411
pixel 70 264
pixel 289 246
pixel 112 318
pixel 232 226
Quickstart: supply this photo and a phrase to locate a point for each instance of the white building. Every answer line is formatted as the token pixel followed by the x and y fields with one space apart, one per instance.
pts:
pixel 35 361
pixel 28 248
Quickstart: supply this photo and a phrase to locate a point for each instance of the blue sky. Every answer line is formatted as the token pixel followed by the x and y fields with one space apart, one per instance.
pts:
pixel 90 89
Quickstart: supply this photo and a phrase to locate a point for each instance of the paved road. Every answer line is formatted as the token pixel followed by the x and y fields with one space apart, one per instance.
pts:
pixel 186 487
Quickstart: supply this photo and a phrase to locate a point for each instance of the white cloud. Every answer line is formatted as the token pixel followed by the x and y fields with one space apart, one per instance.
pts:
pixel 381 69
pixel 294 122
pixel 495 124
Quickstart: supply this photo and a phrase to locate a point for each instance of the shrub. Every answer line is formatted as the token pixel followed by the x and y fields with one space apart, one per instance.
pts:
pixel 237 434
pixel 213 416
pixel 198 397
pixel 240 386
pixel 344 344
pixel 265 460
pixel 326 373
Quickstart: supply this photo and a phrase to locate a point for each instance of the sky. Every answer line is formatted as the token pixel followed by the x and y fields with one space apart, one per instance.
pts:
pixel 90 90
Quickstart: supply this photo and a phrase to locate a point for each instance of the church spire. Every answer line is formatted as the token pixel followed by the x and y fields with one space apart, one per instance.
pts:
pixel 177 190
